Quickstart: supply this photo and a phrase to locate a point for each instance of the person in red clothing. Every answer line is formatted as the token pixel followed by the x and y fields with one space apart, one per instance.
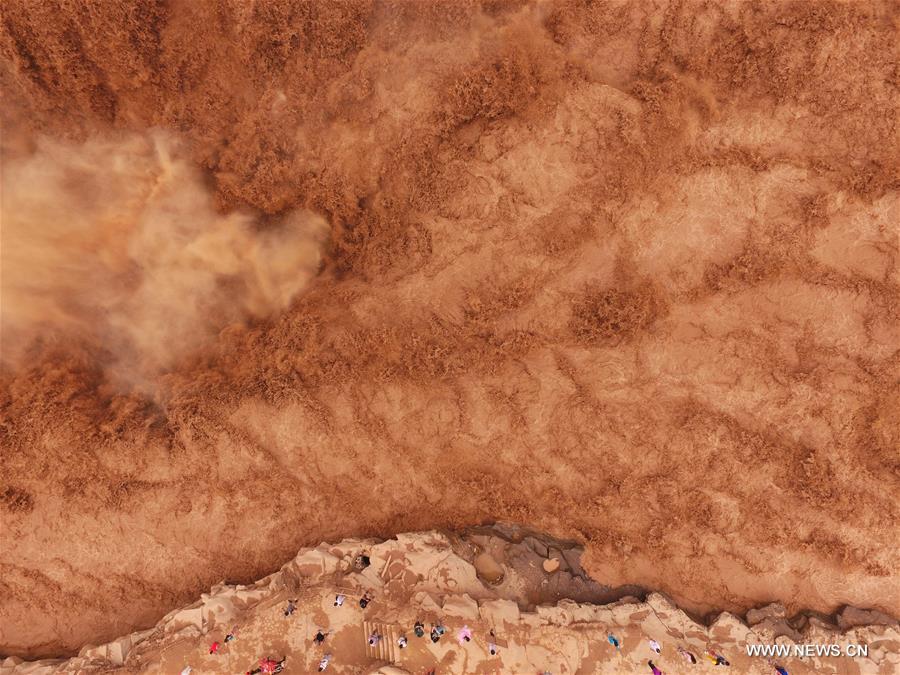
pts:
pixel 214 648
pixel 716 658
pixel 270 665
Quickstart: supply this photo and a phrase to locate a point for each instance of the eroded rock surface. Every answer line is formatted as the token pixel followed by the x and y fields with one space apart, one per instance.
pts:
pixel 536 621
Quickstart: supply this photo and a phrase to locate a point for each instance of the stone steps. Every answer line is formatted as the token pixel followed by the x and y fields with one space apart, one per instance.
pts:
pixel 386 649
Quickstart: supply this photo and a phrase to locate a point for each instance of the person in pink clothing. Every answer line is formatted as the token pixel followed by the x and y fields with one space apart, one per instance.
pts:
pixel 464 635
pixel 687 656
pixel 656 671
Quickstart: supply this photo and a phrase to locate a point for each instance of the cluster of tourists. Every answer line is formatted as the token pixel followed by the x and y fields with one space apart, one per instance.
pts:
pixel 437 631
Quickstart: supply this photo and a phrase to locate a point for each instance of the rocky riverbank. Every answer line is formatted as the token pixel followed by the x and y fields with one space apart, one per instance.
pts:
pixel 522 595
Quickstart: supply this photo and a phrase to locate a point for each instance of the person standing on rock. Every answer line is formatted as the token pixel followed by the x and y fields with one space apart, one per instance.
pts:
pixel 613 640
pixel 687 656
pixel 654 645
pixel 231 635
pixel 464 635
pixel 781 670
pixel 492 646
pixel 717 659
pixel 323 664
pixel 402 642
pixel 186 671
pixel 656 671
pixel 291 607
pixel 365 600
pixel 214 647
pixel 419 629
pixel 261 668
pixel 374 639
pixel 270 665
pixel 320 637
pixel 339 600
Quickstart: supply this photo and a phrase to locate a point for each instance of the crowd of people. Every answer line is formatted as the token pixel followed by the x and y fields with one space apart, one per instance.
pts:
pixel 465 635
pixel 714 657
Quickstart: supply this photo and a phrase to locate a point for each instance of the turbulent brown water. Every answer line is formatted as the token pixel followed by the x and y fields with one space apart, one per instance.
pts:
pixel 281 272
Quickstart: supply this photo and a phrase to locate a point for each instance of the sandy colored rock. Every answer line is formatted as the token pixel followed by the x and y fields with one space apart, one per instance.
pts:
pixel 852 616
pixel 488 568
pixel 558 615
pixel 774 610
pixel 186 618
pixel 565 636
pixel 550 565
pixel 497 612
pixel 461 606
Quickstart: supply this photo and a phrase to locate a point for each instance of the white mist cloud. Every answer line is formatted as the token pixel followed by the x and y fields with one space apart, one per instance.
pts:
pixel 117 242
